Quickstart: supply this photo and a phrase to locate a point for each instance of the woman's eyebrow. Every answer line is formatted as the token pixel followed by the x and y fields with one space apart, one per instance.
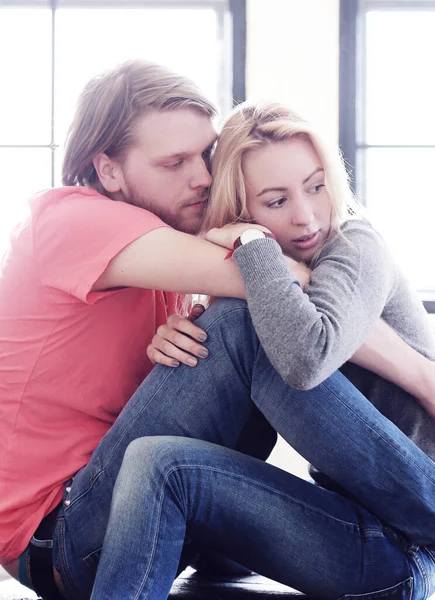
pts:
pixel 272 189
pixel 318 170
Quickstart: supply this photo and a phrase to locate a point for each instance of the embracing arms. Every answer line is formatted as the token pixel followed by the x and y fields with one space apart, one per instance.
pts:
pixel 340 326
pixel 166 259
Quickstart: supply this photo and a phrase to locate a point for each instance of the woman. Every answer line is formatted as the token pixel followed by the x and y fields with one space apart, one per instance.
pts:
pixel 368 526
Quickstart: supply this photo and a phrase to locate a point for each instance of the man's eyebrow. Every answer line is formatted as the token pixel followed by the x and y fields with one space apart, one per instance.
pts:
pixel 318 170
pixel 173 156
pixel 271 189
pixel 177 155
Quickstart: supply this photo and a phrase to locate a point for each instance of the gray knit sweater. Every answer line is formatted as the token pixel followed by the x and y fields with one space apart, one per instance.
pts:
pixel 309 335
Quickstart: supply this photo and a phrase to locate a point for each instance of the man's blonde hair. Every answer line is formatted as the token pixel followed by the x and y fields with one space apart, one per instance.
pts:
pixel 108 108
pixel 253 126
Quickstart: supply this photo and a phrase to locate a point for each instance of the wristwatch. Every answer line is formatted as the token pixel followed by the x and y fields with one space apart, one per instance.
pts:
pixel 249 235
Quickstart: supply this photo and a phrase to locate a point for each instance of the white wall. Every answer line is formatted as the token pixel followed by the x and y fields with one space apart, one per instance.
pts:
pixel 292 57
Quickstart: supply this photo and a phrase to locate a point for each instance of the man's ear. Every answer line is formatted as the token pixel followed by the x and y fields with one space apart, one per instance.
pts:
pixel 109 172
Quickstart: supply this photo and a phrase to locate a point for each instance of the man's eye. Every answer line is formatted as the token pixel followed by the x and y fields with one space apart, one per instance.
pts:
pixel 206 157
pixel 175 165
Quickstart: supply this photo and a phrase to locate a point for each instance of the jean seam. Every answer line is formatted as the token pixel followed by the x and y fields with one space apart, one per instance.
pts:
pixel 155 541
pixel 65 570
pixel 380 436
pixel 84 493
pixel 260 485
pixel 363 595
pixel 422 570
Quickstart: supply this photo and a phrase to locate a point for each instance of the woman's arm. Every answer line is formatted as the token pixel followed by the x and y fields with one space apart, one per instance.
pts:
pixel 308 336
pixel 388 355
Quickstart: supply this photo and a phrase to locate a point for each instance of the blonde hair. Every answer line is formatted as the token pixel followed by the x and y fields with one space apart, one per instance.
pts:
pixel 108 108
pixel 253 126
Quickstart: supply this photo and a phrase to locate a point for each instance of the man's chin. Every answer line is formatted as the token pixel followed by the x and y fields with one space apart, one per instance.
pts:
pixel 191 226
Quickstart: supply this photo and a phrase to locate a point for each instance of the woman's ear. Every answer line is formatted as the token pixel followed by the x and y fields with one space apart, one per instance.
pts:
pixel 109 172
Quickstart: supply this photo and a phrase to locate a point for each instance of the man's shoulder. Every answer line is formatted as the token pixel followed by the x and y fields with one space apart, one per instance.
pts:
pixel 63 196
pixel 75 204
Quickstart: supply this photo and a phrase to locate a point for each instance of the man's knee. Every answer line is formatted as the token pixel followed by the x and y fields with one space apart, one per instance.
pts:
pixel 156 453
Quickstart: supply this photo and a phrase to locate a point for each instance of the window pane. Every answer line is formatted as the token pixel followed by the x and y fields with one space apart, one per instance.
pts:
pixel 401 202
pixel 23 171
pixel 25 73
pixel 400 100
pixel 182 39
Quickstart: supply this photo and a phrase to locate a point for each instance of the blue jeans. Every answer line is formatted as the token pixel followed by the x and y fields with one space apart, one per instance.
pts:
pixel 301 534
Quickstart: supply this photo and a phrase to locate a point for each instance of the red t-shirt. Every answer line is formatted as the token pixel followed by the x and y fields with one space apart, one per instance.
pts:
pixel 69 358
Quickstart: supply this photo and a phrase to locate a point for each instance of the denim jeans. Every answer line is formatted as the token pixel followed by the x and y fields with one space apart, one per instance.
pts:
pixel 126 511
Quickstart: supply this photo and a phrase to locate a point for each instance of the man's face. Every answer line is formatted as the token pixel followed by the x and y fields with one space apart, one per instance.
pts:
pixel 166 170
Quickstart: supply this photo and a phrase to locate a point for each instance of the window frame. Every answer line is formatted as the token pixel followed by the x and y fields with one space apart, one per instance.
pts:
pixel 231 30
pixel 352 87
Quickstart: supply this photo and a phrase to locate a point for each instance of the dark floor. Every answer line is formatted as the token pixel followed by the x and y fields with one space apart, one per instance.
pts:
pixel 189 586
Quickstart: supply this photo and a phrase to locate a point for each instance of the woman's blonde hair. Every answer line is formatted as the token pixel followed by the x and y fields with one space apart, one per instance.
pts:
pixel 108 108
pixel 253 126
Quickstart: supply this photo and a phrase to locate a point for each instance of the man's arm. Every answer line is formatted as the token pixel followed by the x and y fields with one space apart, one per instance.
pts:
pixel 166 259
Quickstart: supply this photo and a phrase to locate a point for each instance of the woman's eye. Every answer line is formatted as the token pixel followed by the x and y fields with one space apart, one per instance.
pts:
pixel 316 188
pixel 277 203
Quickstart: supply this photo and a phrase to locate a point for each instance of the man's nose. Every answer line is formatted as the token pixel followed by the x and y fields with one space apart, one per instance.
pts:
pixel 201 178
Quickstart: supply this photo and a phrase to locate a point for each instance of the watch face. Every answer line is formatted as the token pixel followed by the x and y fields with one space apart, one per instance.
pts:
pixel 251 234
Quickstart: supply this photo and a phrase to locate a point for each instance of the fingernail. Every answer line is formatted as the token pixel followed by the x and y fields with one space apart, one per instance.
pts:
pixel 203 352
pixel 202 337
pixel 192 361
pixel 175 363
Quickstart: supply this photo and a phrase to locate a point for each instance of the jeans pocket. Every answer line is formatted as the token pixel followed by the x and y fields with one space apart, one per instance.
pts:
pixel 400 591
pixel 92 560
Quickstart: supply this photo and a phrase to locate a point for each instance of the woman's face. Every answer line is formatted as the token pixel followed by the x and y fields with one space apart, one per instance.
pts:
pixel 285 187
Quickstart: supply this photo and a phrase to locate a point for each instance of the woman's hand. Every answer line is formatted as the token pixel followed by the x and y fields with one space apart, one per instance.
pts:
pixel 299 270
pixel 226 236
pixel 174 343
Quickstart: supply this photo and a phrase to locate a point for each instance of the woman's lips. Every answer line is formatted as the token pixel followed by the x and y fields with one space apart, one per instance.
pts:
pixel 307 241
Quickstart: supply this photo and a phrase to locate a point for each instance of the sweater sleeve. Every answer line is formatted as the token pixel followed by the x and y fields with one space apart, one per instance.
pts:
pixel 309 335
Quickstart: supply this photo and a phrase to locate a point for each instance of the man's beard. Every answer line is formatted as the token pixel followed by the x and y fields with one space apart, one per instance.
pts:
pixel 192 227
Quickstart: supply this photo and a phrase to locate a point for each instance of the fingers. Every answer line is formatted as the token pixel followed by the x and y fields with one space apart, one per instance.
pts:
pixel 195 312
pixel 157 357
pixel 175 342
pixel 219 237
pixel 226 235
pixel 183 325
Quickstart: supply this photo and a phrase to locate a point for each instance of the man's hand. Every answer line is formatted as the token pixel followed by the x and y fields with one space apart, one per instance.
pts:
pixel 226 236
pixel 174 343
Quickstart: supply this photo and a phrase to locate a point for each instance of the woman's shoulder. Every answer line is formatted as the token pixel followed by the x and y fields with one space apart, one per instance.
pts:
pixel 355 225
pixel 354 231
pixel 356 241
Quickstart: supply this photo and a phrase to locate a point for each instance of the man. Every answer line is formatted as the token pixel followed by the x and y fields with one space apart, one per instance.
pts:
pixel 79 299
pixel 79 304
